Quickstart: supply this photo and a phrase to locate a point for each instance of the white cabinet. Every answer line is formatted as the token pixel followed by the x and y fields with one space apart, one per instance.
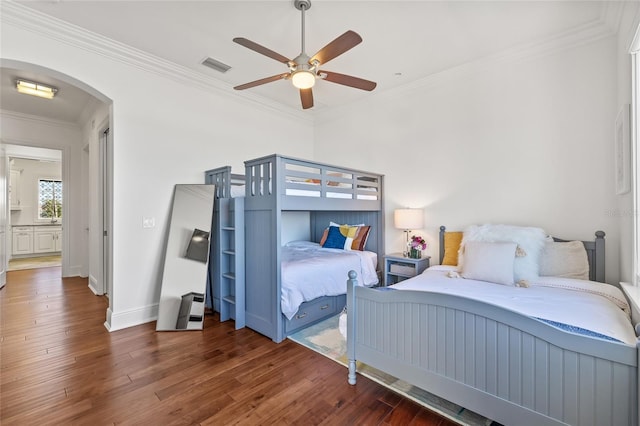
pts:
pixel 14 190
pixel 57 240
pixel 22 240
pixel 47 239
pixel 36 239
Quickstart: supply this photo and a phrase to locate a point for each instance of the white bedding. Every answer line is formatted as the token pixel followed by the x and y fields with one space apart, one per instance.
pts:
pixel 310 271
pixel 592 306
pixel 239 191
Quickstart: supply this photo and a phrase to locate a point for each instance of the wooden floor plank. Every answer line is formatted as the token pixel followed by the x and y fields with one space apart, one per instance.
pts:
pixel 59 365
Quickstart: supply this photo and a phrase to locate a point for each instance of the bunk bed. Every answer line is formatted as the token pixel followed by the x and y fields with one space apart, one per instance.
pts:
pixel 511 367
pixel 225 289
pixel 276 185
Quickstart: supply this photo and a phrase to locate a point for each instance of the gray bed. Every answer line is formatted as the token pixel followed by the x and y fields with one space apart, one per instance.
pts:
pixel 509 367
pixel 277 184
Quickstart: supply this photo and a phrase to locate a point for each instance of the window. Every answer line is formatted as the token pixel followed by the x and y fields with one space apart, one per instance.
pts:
pixel 49 199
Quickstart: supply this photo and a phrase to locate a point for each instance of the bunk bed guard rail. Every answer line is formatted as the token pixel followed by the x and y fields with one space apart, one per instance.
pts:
pixel 307 185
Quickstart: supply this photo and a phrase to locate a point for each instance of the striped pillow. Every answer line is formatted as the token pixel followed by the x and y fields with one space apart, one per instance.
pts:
pixel 359 241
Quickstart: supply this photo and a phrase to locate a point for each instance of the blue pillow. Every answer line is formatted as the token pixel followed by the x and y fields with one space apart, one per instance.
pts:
pixel 335 239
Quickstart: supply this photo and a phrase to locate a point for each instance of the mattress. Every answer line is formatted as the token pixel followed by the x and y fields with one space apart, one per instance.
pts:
pixel 310 271
pixel 578 306
pixel 237 191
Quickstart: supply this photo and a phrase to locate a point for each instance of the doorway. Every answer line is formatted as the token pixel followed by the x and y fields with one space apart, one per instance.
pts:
pixel 70 125
pixel 36 206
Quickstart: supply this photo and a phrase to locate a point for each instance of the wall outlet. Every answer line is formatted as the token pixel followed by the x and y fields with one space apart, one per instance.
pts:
pixel 148 222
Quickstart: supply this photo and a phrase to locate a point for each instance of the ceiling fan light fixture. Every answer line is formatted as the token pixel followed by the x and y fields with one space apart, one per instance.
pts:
pixel 35 89
pixel 303 79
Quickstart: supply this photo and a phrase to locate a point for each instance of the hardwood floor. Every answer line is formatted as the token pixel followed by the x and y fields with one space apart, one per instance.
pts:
pixel 59 365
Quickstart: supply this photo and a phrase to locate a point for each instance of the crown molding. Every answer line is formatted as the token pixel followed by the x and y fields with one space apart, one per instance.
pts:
pixel 39 119
pixel 611 15
pixel 40 23
pixel 581 35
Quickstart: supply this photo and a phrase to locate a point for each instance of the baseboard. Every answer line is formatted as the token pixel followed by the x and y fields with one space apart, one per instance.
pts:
pixel 75 271
pixel 119 320
pixel 93 286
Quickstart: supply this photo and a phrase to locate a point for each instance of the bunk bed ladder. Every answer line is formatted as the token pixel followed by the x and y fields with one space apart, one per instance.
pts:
pixel 230 273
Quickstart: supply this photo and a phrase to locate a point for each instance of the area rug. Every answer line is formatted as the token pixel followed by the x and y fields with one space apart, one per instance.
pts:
pixel 326 339
pixel 34 262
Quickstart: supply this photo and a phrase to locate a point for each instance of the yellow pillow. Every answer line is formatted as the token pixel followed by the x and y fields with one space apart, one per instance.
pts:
pixel 452 242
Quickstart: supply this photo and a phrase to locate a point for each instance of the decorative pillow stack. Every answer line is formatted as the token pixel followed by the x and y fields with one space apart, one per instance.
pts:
pixel 493 260
pixel 345 237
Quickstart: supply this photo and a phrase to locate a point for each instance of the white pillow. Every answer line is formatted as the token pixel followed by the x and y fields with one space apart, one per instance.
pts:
pixel 565 259
pixel 530 243
pixel 493 262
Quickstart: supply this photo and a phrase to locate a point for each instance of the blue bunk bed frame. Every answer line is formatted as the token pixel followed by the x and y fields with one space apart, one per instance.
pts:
pixel 225 287
pixel 276 184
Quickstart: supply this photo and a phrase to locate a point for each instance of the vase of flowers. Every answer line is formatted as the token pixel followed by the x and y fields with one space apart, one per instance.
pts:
pixel 416 246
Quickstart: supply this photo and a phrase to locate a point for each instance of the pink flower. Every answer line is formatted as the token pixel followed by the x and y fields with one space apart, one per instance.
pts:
pixel 417 242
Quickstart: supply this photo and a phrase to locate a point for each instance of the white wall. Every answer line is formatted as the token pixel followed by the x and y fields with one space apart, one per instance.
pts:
pixel 164 132
pixel 519 142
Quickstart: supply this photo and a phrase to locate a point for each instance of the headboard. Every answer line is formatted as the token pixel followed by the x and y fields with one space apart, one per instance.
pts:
pixel 595 254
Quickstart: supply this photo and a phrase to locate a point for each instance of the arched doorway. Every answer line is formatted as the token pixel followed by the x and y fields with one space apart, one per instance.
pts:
pixel 77 124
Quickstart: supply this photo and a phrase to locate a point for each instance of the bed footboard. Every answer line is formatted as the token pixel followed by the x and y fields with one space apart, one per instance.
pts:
pixel 508 367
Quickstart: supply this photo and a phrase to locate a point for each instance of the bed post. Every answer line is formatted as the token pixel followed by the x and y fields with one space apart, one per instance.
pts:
pixel 352 282
pixel 441 241
pixel 599 260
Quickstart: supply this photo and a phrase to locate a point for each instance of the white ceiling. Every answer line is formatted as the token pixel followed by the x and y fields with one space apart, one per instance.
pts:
pixel 404 41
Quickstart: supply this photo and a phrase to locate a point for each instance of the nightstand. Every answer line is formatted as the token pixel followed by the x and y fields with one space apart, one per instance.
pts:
pixel 398 268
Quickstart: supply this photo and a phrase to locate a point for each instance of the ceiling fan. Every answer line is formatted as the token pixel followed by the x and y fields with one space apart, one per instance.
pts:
pixel 304 70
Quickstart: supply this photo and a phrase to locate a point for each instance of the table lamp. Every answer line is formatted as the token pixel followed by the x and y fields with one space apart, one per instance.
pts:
pixel 408 220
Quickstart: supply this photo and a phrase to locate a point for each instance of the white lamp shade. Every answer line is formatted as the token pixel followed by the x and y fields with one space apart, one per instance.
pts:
pixel 408 219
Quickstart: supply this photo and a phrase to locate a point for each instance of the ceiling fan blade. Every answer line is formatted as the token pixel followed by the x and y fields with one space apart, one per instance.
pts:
pixel 262 81
pixel 347 80
pixel 261 49
pixel 306 96
pixel 337 47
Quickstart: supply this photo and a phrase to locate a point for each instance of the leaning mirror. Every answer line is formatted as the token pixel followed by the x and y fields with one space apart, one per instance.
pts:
pixel 184 278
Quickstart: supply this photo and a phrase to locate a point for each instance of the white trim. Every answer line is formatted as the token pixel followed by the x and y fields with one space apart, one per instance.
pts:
pixel 131 318
pixel 94 285
pixel 635 156
pixel 39 119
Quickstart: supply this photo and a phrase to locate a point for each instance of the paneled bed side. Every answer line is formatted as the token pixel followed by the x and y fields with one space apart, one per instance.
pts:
pixel 275 184
pixel 226 283
pixel 509 367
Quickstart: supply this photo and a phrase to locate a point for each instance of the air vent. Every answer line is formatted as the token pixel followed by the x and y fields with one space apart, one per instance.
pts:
pixel 216 65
